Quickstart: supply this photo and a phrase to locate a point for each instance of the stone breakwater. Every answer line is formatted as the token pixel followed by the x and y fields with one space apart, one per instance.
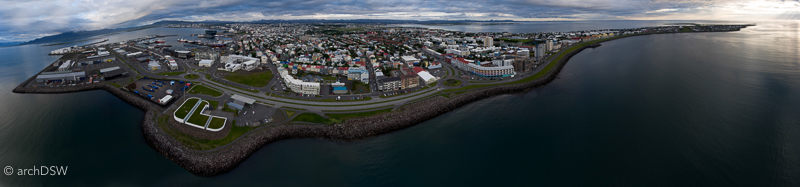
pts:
pixel 216 162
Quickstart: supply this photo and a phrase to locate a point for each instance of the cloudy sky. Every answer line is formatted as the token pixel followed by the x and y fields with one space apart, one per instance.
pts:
pixel 26 20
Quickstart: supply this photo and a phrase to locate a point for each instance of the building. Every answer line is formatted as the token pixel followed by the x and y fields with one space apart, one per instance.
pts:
pixel 153 66
pixel 310 88
pixel 205 63
pixel 354 73
pixel 409 81
pixel 113 72
pixel 390 83
pixel 183 54
pixel 240 101
pixel 173 65
pixel 60 76
pixel 540 52
pixel 206 55
pixel 410 60
pixel 65 66
pixel 237 62
pixel 488 41
pixel 339 90
pixel 425 75
pixel 483 71
pixel 549 45
pixel 297 85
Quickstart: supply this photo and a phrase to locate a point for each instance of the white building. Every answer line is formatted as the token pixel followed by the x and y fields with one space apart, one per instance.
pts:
pixel 298 86
pixel 153 65
pixel 237 62
pixel 65 66
pixel 410 60
pixel 205 63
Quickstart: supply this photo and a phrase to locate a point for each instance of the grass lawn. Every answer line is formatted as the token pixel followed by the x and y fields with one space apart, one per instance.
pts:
pixel 290 113
pixel 200 89
pixel 452 82
pixel 260 79
pixel 343 117
pixel 187 106
pixel 115 84
pixel 171 73
pixel 234 111
pixel 196 118
pixel 202 144
pixel 216 123
pixel 192 76
pixel 360 88
pixel 214 104
pixel 313 118
pixel 232 86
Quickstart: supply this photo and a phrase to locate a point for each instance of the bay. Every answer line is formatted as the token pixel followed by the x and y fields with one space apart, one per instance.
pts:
pixel 689 109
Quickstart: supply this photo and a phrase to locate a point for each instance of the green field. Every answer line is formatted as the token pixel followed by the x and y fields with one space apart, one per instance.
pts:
pixel 171 73
pixel 255 80
pixel 192 76
pixel 342 117
pixel 202 144
pixel 452 82
pixel 187 106
pixel 213 104
pixel 290 113
pixel 313 118
pixel 115 84
pixel 200 89
pixel 234 111
pixel 196 118
pixel 216 123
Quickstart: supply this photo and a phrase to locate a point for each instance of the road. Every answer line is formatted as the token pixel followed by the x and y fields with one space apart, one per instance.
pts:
pixel 319 106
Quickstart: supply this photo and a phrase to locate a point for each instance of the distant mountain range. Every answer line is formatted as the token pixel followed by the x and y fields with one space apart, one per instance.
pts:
pixel 76 35
pixel 3 44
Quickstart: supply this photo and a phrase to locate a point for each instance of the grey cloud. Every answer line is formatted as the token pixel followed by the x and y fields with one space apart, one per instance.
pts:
pixel 19 17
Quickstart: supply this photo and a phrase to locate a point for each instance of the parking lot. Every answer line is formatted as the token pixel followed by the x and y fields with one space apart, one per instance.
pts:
pixel 154 90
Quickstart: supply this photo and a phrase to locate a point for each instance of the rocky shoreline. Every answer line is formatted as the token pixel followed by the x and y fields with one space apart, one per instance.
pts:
pixel 207 164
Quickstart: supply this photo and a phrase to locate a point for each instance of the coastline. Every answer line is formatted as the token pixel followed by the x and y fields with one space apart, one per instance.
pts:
pixel 222 161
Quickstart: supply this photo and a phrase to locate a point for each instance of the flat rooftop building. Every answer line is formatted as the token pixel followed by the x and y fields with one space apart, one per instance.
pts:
pixel 240 101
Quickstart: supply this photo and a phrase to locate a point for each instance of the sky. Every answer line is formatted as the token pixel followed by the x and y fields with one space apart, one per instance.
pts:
pixel 31 19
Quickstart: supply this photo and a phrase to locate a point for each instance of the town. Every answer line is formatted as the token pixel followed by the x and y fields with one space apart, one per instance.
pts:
pixel 235 78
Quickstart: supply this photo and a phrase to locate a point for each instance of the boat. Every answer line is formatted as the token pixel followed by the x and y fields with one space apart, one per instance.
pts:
pixel 183 40
pixel 160 41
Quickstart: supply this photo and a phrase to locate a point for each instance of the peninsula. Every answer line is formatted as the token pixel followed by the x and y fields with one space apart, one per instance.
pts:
pixel 212 99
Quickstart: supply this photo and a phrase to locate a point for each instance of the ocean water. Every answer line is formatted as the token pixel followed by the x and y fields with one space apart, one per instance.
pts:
pixel 689 109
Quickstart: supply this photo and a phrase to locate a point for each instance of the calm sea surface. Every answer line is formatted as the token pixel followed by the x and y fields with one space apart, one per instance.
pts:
pixel 692 109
